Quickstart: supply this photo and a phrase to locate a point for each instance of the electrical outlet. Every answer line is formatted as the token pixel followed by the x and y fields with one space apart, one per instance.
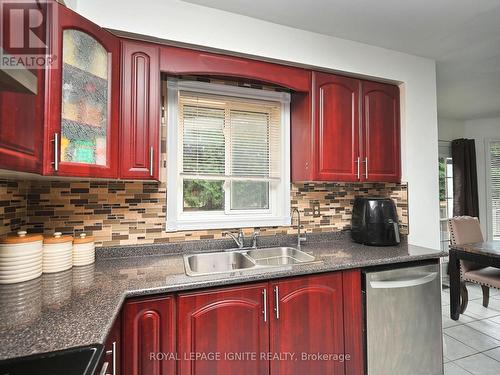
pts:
pixel 316 210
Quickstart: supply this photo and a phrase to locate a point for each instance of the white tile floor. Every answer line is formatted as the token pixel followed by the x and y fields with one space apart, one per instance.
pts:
pixel 472 344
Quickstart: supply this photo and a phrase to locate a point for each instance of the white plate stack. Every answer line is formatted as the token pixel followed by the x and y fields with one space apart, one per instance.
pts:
pixel 57 253
pixel 57 289
pixel 83 250
pixel 83 278
pixel 21 303
pixel 20 257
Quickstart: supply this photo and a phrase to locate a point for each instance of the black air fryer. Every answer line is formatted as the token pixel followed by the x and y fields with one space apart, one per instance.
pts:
pixel 375 222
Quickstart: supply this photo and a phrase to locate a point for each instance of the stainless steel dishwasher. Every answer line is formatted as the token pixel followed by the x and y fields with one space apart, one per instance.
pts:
pixel 403 321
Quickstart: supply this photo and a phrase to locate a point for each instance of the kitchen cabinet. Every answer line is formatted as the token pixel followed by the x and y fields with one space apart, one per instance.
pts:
pixel 149 328
pixel 112 349
pixel 307 319
pixel 21 112
pixel 140 111
pixel 184 61
pixel 346 130
pixel 337 126
pixel 381 130
pixel 303 316
pixel 226 320
pixel 354 336
pixel 82 99
pixel 21 129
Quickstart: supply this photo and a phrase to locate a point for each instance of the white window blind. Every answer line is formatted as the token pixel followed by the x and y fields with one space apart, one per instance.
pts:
pixel 228 138
pixel 494 151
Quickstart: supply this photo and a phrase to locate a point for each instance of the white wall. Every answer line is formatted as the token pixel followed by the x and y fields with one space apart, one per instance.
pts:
pixel 482 130
pixel 449 129
pixel 189 23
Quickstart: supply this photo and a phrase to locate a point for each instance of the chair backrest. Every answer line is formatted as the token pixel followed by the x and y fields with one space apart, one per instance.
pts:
pixel 465 229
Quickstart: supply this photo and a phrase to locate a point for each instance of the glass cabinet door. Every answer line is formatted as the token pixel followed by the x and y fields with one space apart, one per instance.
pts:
pixel 85 124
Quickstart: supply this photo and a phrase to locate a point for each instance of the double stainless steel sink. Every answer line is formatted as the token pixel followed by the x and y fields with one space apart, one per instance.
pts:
pixel 243 259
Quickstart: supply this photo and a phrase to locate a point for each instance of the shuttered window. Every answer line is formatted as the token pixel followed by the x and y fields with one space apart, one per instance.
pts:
pixel 230 151
pixel 494 188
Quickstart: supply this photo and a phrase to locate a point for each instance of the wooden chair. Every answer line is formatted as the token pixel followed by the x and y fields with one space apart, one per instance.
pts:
pixel 465 230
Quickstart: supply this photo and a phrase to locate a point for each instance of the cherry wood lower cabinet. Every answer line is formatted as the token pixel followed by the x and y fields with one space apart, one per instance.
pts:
pixel 112 349
pixel 222 322
pixel 302 325
pixel 310 324
pixel 307 319
pixel 148 336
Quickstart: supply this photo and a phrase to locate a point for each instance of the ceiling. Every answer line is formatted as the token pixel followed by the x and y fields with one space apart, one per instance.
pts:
pixel 463 36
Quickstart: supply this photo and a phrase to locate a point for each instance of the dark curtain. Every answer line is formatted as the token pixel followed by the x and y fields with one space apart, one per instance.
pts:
pixel 465 197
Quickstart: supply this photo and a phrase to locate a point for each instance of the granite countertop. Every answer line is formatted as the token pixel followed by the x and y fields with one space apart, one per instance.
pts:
pixel 78 307
pixel 491 248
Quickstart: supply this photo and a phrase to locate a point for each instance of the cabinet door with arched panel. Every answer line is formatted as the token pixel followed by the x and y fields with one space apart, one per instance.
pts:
pixel 82 99
pixel 148 336
pixel 381 147
pixel 307 318
pixel 336 127
pixel 229 322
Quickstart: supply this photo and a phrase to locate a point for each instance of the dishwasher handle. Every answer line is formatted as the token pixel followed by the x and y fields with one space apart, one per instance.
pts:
pixel 404 283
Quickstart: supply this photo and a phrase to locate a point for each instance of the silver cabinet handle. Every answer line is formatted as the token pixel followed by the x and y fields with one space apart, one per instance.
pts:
pixel 264 302
pixel 56 151
pixel 113 352
pixel 151 160
pixel 114 357
pixel 277 301
pixel 404 283
pixel 104 368
pixel 358 167
pixel 366 166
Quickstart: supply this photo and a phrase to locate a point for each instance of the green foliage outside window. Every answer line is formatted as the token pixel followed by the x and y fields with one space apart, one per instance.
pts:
pixel 442 179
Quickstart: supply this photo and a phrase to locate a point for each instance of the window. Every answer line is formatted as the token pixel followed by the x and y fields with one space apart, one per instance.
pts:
pixel 493 188
pixel 445 191
pixel 228 156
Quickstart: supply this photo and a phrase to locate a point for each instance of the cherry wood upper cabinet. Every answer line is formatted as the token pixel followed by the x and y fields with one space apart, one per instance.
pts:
pixel 337 127
pixel 82 99
pixel 140 111
pixel 381 129
pixel 21 129
pixel 346 130
pixel 21 114
pixel 182 61
pixel 148 327
pixel 307 317
pixel 228 320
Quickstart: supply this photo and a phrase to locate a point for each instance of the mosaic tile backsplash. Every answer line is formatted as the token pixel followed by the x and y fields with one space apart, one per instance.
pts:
pixel 129 212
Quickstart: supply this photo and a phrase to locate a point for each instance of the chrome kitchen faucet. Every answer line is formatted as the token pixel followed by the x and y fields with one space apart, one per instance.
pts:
pixel 299 237
pixel 239 239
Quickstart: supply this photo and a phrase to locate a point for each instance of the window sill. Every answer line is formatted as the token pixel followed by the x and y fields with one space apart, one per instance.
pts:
pixel 227 223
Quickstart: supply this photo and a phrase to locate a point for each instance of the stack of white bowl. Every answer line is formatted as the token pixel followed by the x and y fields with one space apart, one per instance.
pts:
pixel 21 303
pixel 57 289
pixel 83 250
pixel 57 253
pixel 83 278
pixel 20 257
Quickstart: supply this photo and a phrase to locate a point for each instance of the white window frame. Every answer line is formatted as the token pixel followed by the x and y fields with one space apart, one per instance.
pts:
pixel 278 213
pixel 489 203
